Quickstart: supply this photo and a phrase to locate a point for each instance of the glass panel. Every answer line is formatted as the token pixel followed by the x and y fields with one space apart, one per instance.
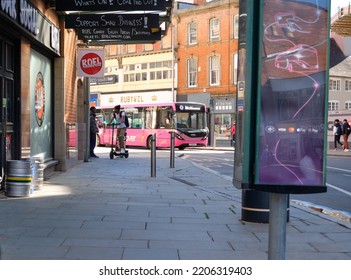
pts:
pixel 236 26
pixel 1 53
pixel 293 71
pixel 165 117
pixel 138 118
pixel 190 121
pixel 9 57
pixel 214 75
pixel 192 38
pixel 214 29
pixel 150 117
pixel 192 72
pixel 9 88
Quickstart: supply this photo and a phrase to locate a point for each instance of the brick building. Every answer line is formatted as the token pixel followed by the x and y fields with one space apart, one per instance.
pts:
pixel 207 44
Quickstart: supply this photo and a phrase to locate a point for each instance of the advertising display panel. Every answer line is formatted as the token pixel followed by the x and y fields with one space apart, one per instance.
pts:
pixel 292 96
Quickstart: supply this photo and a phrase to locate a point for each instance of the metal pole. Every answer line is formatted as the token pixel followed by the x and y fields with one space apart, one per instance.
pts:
pixel 87 118
pixel 153 155
pixel 277 226
pixel 171 164
pixel 173 63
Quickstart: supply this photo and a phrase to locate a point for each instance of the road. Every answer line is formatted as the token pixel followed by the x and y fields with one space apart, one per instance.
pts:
pixel 337 197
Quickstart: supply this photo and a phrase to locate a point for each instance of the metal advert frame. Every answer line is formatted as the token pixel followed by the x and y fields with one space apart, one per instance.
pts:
pixel 292 96
pixel 246 91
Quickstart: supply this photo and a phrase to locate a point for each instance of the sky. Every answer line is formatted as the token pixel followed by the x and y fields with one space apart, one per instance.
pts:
pixel 337 3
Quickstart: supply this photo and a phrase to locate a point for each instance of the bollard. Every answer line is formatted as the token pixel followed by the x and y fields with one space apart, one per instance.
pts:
pixel 171 164
pixel 153 155
pixel 277 226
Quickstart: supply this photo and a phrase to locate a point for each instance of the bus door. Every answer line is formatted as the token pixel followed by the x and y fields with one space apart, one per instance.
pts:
pixel 166 124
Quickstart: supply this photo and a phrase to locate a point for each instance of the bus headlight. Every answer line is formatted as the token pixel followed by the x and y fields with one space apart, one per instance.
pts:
pixel 178 136
pixel 206 131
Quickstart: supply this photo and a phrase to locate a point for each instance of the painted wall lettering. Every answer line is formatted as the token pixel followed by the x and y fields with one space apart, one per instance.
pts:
pixel 29 17
pixel 9 7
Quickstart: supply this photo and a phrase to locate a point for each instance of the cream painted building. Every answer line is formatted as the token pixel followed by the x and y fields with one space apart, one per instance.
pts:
pixel 136 79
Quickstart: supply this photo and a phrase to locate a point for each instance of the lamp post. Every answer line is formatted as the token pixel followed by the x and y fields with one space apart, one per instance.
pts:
pixel 173 62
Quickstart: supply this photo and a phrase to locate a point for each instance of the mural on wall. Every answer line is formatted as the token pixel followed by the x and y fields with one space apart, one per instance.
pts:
pixel 293 93
pixel 39 94
pixel 41 126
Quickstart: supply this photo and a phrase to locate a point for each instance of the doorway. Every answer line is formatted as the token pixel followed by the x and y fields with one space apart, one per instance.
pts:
pixel 7 92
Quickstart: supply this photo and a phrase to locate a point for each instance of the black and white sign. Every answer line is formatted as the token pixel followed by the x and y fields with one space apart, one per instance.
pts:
pixel 77 21
pixel 119 34
pixel 110 5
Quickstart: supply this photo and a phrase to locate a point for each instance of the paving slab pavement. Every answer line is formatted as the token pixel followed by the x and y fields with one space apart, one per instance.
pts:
pixel 113 209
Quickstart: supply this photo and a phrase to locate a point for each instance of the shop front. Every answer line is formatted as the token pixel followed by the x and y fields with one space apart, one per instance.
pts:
pixel 223 116
pixel 29 42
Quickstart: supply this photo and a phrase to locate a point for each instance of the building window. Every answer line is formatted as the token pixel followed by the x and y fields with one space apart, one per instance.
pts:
pixel 132 77
pixel 214 70
pixel 236 27
pixel 348 85
pixel 348 105
pixel 235 69
pixel 167 63
pixel 159 75
pixel 131 48
pixel 112 50
pixel 333 105
pixel 334 84
pixel 192 72
pixel 214 29
pixel 137 77
pixel 192 33
pixel 148 47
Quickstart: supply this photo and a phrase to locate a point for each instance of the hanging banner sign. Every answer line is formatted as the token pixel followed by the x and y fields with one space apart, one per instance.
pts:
pixel 119 34
pixel 91 63
pixel 76 21
pixel 110 5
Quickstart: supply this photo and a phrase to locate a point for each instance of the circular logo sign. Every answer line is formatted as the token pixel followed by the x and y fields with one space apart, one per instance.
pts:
pixel 39 99
pixel 91 63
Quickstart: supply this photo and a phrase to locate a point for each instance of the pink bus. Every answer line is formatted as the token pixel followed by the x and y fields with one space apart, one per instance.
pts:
pixel 187 119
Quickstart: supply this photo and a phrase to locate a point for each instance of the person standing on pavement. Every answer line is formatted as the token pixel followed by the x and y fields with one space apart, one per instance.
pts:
pixel 233 131
pixel 345 134
pixel 337 132
pixel 121 126
pixel 94 129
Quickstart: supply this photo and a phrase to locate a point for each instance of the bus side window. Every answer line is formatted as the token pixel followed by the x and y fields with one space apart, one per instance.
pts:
pixel 165 117
pixel 138 119
pixel 168 120
pixel 150 117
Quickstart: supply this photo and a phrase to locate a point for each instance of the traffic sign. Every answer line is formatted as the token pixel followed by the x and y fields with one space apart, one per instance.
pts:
pixel 76 21
pixel 110 5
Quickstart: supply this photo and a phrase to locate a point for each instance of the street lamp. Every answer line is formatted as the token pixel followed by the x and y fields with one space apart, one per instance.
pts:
pixel 173 62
